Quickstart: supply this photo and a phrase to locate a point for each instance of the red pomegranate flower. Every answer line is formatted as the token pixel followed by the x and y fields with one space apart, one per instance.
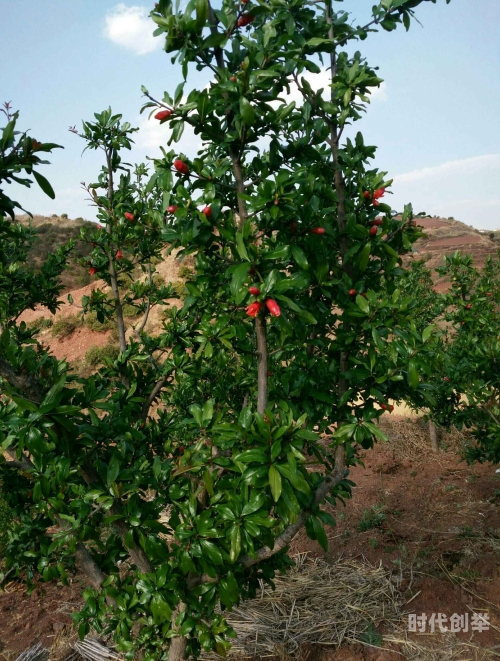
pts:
pixel 119 254
pixel 180 166
pixel 318 230
pixel 92 270
pixel 246 19
pixel 255 291
pixel 172 208
pixel 163 114
pixel 128 215
pixel 273 307
pixel 254 308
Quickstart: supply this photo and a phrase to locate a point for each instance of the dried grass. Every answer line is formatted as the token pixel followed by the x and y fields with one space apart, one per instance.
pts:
pixel 409 438
pixel 315 603
pixel 439 647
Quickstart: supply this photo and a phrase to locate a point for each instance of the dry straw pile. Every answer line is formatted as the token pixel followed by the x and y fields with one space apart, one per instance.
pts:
pixel 315 603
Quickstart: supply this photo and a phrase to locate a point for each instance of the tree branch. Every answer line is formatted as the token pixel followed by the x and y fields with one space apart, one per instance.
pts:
pixel 262 364
pixel 24 382
pixel 331 481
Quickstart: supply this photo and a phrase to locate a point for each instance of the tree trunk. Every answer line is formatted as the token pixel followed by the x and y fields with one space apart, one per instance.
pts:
pixel 433 437
pixel 260 330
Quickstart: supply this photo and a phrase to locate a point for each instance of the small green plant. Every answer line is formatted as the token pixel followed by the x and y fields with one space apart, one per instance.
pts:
pixel 97 355
pixel 371 636
pixel 373 543
pixel 92 323
pixel 130 311
pixel 5 519
pixel 372 517
pixel 186 272
pixel 66 326
pixel 41 323
pixel 450 487
pixel 180 289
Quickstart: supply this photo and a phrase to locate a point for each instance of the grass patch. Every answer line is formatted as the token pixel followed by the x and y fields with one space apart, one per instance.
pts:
pixel 5 519
pixel 66 326
pixel 372 517
pixel 98 355
pixel 41 323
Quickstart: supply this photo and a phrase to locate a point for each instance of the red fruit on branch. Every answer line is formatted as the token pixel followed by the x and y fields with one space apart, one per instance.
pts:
pixel 207 212
pixel 246 19
pixel 468 306
pixel 233 79
pixel 488 293
pixel 119 254
pixel 273 307
pixel 180 166
pixel 373 230
pixel 252 271
pixel 317 230
pixel 367 195
pixel 376 222
pixel 181 449
pixel 92 270
pixel 244 2
pixel 254 308
pixel 352 292
pixel 391 408
pixel 163 114
pixel 255 291
pixel 172 208
pixel 384 407
pixel 293 227
pixel 128 215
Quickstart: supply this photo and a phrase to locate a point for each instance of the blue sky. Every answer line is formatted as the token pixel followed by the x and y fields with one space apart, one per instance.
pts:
pixel 435 120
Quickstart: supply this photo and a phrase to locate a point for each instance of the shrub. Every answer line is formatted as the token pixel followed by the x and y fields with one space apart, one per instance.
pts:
pixel 179 288
pixel 64 215
pixel 186 272
pixel 130 310
pixel 5 519
pixel 66 326
pixel 91 322
pixel 97 355
pixel 41 323
pixel 372 517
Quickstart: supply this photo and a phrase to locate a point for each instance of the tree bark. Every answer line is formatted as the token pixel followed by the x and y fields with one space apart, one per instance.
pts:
pixel 262 362
pixel 433 436
pixel 120 323
pixel 25 383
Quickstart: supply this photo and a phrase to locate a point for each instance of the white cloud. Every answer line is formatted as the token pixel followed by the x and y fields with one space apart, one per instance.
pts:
pixel 152 135
pixel 131 28
pixel 466 189
pixel 322 80
pixel 458 167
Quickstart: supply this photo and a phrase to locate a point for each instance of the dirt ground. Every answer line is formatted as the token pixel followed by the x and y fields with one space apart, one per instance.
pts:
pixel 431 519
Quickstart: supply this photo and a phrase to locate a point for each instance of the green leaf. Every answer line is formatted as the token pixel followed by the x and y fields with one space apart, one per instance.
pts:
pixel 246 111
pixel 364 257
pixel 240 246
pixel 275 482
pixel 208 411
pixel 362 303
pixel 235 539
pixel 376 431
pixel 300 257
pixel 212 551
pixel 229 591
pixel 413 378
pixel 427 332
pixel 160 610
pixel 240 274
pixel 44 185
